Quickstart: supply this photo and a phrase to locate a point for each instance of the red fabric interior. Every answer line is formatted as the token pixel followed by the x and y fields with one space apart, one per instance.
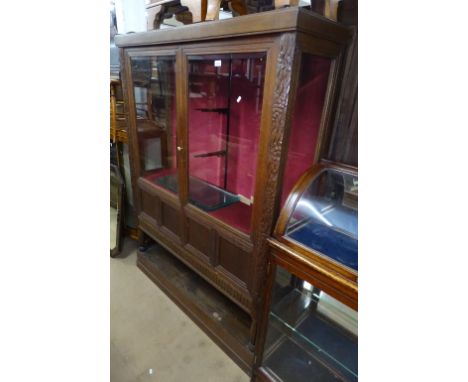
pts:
pixel 237 215
pixel 244 126
pixel 306 119
pixel 207 130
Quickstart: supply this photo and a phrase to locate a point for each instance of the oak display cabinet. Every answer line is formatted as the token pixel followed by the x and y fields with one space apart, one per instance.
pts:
pixel 223 118
pixel 309 328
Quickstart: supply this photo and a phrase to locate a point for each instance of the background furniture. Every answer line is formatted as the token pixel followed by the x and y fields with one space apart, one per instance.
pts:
pixel 116 210
pixel 119 155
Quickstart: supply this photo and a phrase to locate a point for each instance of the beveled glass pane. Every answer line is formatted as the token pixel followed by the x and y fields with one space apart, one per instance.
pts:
pixel 154 92
pixel 311 336
pixel 225 103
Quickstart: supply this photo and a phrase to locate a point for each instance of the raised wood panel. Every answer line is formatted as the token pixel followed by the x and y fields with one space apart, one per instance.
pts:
pixel 201 238
pixel 223 229
pixel 171 219
pixel 231 288
pixel 151 205
pixel 233 259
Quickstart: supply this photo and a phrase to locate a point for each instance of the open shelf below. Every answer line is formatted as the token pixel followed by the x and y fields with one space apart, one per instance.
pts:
pixel 223 321
pixel 304 345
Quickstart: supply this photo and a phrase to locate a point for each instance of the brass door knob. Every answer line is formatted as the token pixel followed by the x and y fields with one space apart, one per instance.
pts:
pixel 179 148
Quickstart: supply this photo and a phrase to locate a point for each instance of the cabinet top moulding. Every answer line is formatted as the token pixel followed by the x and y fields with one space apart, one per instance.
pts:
pixel 292 19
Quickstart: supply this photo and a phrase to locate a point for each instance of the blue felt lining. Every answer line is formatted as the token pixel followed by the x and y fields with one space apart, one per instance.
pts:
pixel 331 243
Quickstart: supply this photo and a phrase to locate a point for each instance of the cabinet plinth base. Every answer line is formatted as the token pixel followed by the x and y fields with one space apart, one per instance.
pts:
pixel 225 323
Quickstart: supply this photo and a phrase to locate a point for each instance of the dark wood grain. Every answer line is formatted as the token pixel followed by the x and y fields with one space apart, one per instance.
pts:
pixel 285 20
pixel 342 146
pixel 226 285
pixel 277 109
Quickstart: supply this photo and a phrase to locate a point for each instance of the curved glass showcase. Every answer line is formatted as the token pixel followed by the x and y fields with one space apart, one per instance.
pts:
pixel 321 214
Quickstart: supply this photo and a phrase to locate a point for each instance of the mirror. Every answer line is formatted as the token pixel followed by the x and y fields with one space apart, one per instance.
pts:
pixel 116 206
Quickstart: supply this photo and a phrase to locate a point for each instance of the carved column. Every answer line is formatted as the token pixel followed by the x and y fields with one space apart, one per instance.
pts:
pixel 286 60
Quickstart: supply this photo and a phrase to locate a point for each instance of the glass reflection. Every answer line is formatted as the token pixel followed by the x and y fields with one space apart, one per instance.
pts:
pixel 325 218
pixel 154 92
pixel 311 336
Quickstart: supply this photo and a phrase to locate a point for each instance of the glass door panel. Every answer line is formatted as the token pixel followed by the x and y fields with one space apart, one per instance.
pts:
pixel 225 103
pixel 154 93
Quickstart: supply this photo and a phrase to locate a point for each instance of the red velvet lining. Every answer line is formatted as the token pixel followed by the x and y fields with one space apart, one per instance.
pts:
pixel 236 215
pixel 305 125
pixel 207 129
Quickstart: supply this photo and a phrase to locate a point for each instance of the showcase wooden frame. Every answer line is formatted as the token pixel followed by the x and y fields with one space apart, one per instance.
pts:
pixel 281 241
pixel 232 261
pixel 336 286
pixel 324 273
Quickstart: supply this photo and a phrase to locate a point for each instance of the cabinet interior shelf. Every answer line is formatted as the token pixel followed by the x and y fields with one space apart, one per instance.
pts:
pixel 204 195
pixel 304 344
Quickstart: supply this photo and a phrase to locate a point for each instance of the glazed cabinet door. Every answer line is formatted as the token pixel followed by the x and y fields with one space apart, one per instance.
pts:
pixel 224 111
pixel 153 96
pixel 225 94
pixel 197 123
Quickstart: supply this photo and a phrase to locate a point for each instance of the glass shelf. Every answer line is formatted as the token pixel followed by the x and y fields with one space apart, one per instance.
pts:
pixel 202 194
pixel 311 336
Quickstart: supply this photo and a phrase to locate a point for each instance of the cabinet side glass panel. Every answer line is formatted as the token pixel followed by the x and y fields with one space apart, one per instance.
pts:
pixel 154 94
pixel 325 217
pixel 225 103
pixel 305 123
pixel 310 336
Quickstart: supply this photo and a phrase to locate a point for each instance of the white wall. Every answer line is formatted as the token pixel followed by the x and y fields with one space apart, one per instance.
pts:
pixel 131 15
